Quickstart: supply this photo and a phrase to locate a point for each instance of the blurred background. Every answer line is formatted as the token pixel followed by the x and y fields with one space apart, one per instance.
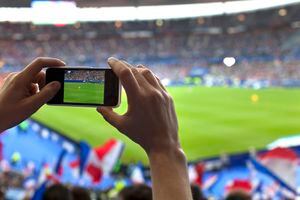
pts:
pixel 232 67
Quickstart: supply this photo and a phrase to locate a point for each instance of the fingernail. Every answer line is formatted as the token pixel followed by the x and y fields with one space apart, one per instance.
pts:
pixel 55 85
pixel 59 60
pixel 112 60
pixel 140 66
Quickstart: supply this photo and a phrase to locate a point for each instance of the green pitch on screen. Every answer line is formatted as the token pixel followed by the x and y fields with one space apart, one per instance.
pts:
pixel 89 93
pixel 211 120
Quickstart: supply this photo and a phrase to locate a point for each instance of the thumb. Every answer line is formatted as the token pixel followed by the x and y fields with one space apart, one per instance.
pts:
pixel 42 97
pixel 110 116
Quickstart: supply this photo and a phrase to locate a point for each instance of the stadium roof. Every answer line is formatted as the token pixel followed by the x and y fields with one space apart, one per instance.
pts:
pixel 66 12
pixel 104 3
pixel 111 3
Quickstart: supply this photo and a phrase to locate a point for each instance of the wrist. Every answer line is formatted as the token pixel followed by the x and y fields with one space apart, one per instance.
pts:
pixel 174 153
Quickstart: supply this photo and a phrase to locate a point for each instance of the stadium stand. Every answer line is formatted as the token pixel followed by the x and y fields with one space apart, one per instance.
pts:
pixel 266 50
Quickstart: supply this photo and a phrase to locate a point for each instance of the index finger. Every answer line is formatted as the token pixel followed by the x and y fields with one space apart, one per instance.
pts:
pixel 31 70
pixel 125 75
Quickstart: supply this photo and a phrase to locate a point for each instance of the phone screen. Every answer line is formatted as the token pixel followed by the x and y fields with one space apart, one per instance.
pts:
pixel 84 86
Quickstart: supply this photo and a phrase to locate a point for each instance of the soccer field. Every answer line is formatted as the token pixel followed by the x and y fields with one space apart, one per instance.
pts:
pixel 211 120
pixel 79 92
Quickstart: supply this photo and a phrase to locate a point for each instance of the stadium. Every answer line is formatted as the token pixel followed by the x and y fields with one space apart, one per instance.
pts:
pixel 232 68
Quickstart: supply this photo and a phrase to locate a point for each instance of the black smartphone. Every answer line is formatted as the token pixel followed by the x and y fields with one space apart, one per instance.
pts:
pixel 85 86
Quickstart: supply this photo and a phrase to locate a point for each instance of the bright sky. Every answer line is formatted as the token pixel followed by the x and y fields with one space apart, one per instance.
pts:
pixel 67 12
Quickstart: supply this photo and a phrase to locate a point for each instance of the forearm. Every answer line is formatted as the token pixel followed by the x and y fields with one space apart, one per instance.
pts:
pixel 169 175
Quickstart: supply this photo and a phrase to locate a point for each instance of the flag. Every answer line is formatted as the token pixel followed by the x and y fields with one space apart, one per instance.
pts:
pixel 85 150
pixel 1 149
pixel 283 163
pixel 78 165
pixel 58 169
pixel 278 165
pixel 74 165
pixel 102 159
pixel 137 175
pixel 210 182
pixel 44 172
pixel 196 173
pixel 239 184
pixel 94 163
pixel 39 193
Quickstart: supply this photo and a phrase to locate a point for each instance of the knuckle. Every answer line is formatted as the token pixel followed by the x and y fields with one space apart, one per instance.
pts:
pixel 134 71
pixel 146 72
pixel 39 60
pixel 13 76
pixel 171 100
pixel 124 73
pixel 155 95
pixel 169 97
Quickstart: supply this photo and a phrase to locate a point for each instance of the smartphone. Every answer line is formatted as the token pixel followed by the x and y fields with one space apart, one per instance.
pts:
pixel 83 86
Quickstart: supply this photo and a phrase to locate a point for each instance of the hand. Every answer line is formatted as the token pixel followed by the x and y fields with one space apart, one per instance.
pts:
pixel 151 122
pixel 150 119
pixel 23 93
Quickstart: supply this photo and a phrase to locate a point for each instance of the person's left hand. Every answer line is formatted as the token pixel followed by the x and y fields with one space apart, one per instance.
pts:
pixel 23 93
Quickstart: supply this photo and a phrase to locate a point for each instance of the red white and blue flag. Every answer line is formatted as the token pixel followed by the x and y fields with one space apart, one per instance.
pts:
pixel 98 162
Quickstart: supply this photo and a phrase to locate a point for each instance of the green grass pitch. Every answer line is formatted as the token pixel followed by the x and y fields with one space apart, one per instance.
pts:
pixel 211 120
pixel 75 92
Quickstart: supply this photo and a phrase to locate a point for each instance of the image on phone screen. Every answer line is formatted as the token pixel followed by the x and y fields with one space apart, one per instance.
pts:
pixel 83 86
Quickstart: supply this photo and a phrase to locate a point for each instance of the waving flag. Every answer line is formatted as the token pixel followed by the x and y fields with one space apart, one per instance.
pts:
pixel 58 169
pixel 239 184
pixel 94 163
pixel 280 164
pixel 85 150
pixel 102 159
pixel 196 172
pixel 137 175
pixel 74 165
pixel 38 194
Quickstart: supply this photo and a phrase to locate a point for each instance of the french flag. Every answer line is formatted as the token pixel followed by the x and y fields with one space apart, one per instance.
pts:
pixel 97 162
pixel 281 165
pixel 196 172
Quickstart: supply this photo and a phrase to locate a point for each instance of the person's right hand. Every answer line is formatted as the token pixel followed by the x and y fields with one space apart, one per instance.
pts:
pixel 151 122
pixel 23 93
pixel 150 119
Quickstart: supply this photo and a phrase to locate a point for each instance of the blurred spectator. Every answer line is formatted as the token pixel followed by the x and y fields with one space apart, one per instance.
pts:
pixel 136 192
pixel 197 193
pixel 79 193
pixel 238 195
pixel 58 192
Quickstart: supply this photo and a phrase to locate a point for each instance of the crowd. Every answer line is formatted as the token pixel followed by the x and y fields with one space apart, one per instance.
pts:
pixel 263 53
pixel 85 76
pixel 267 49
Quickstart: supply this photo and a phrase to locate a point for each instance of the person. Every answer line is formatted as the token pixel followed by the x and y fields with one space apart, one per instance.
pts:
pixel 150 120
pixel 136 192
pixel 197 193
pixel 80 193
pixel 238 195
pixel 57 192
